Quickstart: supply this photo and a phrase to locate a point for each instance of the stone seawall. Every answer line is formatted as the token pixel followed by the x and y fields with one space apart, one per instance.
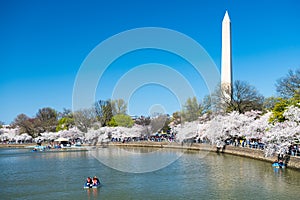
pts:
pixel 17 145
pixel 294 162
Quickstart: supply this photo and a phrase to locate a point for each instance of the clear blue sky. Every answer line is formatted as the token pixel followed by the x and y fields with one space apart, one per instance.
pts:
pixel 43 44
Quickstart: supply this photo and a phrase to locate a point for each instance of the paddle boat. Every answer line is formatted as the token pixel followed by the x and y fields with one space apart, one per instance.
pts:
pixel 278 164
pixel 87 186
pixel 92 183
pixel 38 148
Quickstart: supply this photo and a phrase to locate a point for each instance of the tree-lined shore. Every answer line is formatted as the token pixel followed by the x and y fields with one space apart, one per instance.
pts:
pixel 246 117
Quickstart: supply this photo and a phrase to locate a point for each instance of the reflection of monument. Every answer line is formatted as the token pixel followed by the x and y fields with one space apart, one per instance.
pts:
pixel 226 73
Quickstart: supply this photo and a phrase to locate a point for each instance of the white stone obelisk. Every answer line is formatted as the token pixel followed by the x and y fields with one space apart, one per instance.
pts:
pixel 226 71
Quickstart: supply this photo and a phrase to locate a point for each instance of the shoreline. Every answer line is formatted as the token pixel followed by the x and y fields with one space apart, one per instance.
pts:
pixel 17 146
pixel 31 145
pixel 294 162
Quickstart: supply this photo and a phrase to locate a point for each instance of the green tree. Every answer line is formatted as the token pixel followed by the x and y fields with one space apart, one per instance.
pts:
pixel 192 110
pixel 66 120
pixel 104 112
pixel 112 122
pixel 281 105
pixel 289 86
pixel 278 110
pixel 121 120
pixel 65 123
pixel 270 102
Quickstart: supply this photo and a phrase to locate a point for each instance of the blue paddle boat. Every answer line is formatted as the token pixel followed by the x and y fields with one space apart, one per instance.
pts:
pixel 278 164
pixel 92 183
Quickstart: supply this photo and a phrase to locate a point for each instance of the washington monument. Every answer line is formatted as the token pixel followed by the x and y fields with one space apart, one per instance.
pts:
pixel 226 71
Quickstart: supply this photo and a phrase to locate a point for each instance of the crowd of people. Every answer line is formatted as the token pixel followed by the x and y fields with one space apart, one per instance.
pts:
pixel 151 138
pixel 294 150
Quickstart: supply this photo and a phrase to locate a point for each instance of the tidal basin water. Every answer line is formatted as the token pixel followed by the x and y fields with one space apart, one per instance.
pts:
pixel 194 175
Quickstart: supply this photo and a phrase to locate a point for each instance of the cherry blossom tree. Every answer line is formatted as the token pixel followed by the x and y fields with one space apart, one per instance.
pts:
pixel 281 135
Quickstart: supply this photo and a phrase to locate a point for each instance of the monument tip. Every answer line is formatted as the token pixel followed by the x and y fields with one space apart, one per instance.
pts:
pixel 226 16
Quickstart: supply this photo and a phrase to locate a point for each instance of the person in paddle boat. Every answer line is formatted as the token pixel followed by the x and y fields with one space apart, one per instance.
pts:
pixel 89 182
pixel 96 181
pixel 275 162
pixel 278 164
